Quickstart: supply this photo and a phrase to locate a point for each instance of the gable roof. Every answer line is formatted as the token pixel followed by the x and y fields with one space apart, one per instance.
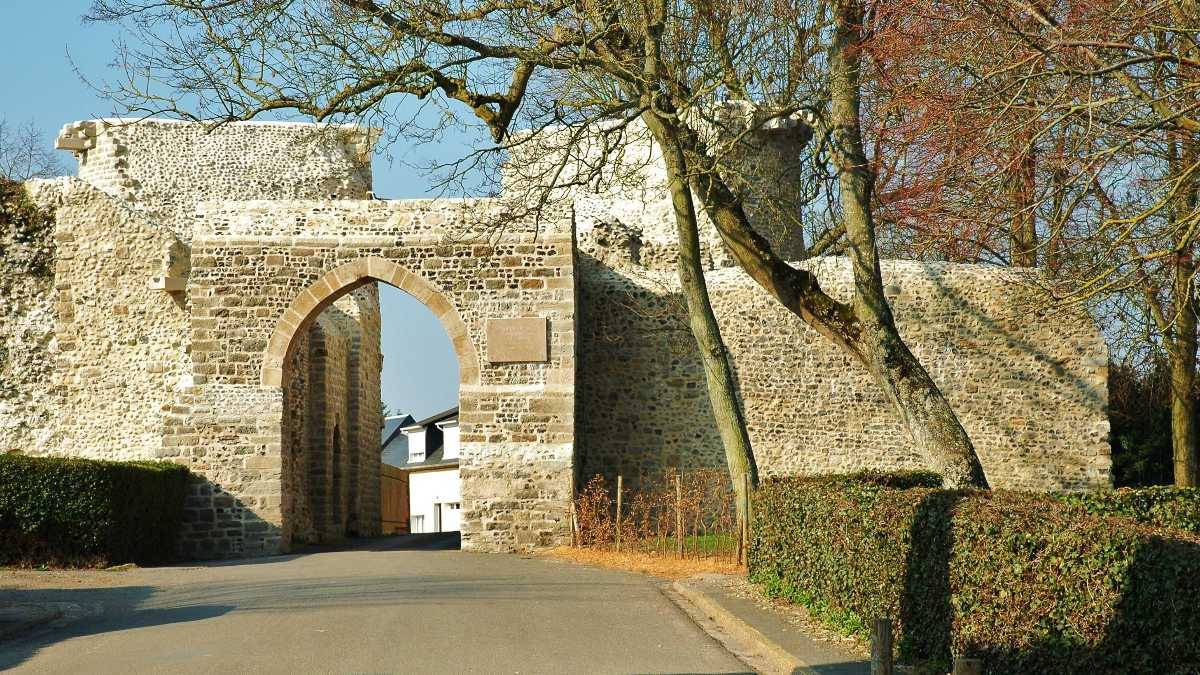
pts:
pixel 391 428
pixel 434 418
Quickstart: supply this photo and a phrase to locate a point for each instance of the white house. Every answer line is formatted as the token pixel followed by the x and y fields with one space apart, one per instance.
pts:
pixel 431 461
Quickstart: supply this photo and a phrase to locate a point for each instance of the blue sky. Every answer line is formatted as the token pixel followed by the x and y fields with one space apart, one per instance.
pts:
pixel 40 83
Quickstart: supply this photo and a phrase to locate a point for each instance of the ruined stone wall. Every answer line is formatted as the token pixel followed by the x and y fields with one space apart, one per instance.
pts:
pixel 231 436
pixel 164 167
pixel 367 358
pixel 1028 382
pixel 613 171
pixel 329 405
pixel 329 473
pixel 117 341
pixel 296 455
pixel 27 261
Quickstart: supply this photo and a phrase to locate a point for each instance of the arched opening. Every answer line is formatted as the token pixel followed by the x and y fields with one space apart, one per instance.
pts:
pixel 420 440
pixel 325 355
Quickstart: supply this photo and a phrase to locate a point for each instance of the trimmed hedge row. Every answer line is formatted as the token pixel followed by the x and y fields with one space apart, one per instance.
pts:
pixel 1026 583
pixel 1161 506
pixel 67 511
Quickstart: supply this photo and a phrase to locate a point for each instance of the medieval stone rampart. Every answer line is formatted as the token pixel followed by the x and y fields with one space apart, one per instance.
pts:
pixel 213 302
pixel 1028 380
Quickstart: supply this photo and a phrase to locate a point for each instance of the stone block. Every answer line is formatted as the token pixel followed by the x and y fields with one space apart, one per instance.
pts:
pixel 517 340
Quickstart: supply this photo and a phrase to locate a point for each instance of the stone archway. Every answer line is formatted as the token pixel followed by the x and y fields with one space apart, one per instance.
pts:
pixel 261 273
pixel 321 354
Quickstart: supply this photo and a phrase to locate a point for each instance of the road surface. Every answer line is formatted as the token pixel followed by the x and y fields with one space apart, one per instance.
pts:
pixel 379 606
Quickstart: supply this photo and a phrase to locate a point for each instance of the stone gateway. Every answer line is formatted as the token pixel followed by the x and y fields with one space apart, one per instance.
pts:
pixel 214 302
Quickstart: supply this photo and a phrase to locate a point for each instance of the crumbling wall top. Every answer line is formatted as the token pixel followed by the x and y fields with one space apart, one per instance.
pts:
pixel 165 167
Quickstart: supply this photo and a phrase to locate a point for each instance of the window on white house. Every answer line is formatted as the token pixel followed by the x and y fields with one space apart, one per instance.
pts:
pixel 416 445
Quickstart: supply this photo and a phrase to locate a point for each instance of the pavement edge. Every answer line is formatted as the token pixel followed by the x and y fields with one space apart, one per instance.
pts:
pixel 743 640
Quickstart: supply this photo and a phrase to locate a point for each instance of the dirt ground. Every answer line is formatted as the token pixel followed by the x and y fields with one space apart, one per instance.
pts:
pixel 733 577
pixel 664 566
pixel 13 578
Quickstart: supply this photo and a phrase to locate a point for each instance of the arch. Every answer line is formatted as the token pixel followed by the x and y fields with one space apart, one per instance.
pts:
pixel 344 279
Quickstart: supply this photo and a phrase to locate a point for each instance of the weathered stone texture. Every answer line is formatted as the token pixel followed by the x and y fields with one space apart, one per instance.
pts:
pixel 27 344
pixel 212 305
pixel 1029 382
pixel 164 167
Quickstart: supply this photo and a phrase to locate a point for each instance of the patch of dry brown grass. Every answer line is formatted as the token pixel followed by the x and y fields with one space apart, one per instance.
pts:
pixel 654 564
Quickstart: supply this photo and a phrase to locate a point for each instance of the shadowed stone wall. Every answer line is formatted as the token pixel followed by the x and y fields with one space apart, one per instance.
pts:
pixel 1028 382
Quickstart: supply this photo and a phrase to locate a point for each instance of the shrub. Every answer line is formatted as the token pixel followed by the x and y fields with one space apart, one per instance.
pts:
pixel 66 511
pixel 1161 506
pixel 26 234
pixel 1023 581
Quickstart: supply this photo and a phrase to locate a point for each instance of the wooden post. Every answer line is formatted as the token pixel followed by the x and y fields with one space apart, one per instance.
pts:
pixel 678 515
pixel 968 667
pixel 881 647
pixel 620 488
pixel 574 525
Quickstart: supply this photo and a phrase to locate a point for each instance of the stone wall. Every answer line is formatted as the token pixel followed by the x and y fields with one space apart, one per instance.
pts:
pixel 213 306
pixel 614 170
pixel 117 347
pixel 261 269
pixel 164 167
pixel 1029 382
pixel 27 261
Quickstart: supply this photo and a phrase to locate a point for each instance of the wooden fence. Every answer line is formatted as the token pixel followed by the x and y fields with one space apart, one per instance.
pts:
pixel 393 499
pixel 685 515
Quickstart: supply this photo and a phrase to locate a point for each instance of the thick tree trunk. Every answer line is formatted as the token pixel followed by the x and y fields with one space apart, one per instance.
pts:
pixel 718 373
pixel 922 406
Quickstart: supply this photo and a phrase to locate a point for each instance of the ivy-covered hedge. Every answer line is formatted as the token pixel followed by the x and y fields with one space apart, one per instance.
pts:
pixel 1161 506
pixel 1025 582
pixel 65 511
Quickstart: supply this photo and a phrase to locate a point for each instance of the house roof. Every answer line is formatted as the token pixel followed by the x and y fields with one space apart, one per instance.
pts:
pixel 434 457
pixel 434 418
pixel 433 460
pixel 391 428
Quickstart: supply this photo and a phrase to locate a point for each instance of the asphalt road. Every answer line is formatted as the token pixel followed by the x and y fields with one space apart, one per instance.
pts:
pixel 376 607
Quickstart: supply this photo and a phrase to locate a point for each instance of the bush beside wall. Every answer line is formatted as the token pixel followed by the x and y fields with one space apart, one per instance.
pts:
pixel 1023 581
pixel 66 511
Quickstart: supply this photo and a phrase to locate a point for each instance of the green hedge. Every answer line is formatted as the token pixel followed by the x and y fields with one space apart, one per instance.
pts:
pixel 1023 581
pixel 65 511
pixel 1163 506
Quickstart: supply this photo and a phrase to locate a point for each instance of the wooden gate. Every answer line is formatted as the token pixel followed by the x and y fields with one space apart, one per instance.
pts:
pixel 393 499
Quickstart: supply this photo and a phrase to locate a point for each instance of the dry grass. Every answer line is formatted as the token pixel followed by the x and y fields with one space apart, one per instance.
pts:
pixel 664 566
pixel 13 578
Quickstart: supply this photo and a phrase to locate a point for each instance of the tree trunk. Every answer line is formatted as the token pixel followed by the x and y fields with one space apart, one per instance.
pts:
pixel 718 373
pixel 922 406
pixel 1023 238
pixel 1182 355
pixel 1181 345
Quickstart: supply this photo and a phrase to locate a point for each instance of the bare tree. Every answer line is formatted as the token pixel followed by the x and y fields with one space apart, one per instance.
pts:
pixel 25 153
pixel 572 62
pixel 1064 135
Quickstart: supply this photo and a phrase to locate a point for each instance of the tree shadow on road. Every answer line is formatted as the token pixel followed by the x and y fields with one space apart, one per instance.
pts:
pixel 89 611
